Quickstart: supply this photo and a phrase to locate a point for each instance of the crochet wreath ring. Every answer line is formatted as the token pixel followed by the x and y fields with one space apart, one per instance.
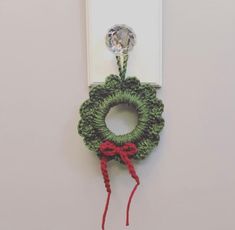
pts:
pixel 115 91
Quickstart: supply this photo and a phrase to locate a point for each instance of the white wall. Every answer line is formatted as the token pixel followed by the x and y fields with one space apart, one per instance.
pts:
pixel 49 180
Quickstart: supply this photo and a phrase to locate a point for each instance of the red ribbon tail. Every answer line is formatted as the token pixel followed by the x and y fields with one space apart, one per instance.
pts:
pixel 103 165
pixel 129 203
pixel 132 171
pixel 105 210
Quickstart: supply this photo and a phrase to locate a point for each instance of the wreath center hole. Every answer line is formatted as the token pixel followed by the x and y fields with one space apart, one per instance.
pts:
pixel 122 119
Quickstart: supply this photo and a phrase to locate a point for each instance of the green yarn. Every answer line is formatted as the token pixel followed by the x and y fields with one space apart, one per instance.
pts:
pixel 121 90
pixel 122 65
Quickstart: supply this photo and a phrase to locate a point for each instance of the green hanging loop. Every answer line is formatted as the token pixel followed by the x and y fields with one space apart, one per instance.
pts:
pixel 122 65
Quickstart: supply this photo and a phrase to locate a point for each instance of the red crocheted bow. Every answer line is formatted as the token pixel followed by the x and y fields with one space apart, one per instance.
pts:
pixel 108 149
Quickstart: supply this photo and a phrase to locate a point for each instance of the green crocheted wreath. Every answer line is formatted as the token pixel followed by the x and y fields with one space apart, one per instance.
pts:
pixel 118 90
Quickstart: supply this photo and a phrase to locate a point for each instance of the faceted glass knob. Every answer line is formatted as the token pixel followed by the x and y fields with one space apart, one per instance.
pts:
pixel 120 39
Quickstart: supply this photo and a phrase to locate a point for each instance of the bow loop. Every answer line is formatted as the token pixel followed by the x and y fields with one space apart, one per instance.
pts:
pixel 108 148
pixel 129 148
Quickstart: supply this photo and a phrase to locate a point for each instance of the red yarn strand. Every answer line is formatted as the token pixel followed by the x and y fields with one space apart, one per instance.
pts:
pixel 103 164
pixel 105 210
pixel 132 171
pixel 129 204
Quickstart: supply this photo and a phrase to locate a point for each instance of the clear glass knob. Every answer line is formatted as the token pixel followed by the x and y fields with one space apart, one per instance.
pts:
pixel 120 39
